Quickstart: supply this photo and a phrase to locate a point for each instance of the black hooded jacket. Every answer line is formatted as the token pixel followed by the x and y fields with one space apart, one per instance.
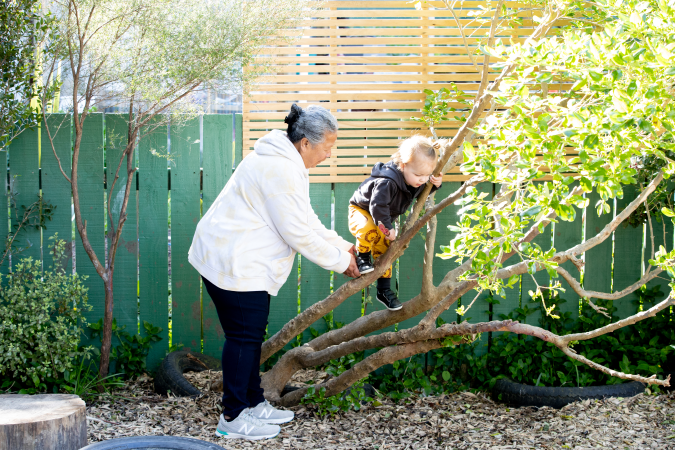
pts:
pixel 385 194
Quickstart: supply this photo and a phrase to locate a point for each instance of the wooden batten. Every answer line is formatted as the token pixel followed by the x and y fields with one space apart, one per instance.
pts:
pixel 369 63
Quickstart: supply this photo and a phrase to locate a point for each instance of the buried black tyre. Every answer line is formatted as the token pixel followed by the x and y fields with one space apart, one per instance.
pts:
pixel 169 377
pixel 153 443
pixel 556 397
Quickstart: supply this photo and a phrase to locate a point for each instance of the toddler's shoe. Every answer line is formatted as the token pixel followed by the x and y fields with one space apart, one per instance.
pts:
pixel 389 299
pixel 246 426
pixel 364 263
pixel 267 413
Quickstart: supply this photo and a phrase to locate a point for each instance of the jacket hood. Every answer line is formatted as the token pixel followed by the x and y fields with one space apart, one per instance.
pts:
pixel 389 170
pixel 276 143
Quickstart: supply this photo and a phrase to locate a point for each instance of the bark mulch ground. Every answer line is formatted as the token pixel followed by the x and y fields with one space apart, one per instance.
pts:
pixel 453 421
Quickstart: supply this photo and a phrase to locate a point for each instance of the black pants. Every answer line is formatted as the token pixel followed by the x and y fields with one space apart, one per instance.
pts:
pixel 243 316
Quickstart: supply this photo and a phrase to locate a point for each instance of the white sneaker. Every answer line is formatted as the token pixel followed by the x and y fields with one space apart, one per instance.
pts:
pixel 245 426
pixel 267 413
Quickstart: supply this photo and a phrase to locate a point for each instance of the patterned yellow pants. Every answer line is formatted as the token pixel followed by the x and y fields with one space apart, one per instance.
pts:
pixel 368 236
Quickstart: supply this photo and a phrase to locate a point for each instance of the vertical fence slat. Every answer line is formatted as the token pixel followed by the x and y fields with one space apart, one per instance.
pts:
pixel 663 235
pixel 627 257
pixel 565 236
pixel 4 218
pixel 410 267
pixel 598 276
pixel 217 169
pixel 315 281
pixel 239 139
pixel 56 189
pixel 125 276
pixel 350 309
pixel 479 312
pixel 153 235
pixel 284 306
pixel 446 218
pixel 185 281
pixel 528 284
pixel 90 189
pixel 24 169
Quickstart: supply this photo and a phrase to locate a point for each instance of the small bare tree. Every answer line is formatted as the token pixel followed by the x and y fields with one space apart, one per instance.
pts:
pixel 150 58
pixel 615 110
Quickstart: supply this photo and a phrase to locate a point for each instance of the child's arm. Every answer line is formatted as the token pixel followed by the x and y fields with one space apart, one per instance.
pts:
pixel 380 199
pixel 436 181
pixel 389 234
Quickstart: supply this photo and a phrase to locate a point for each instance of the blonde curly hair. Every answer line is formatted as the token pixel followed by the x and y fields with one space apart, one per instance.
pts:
pixel 413 149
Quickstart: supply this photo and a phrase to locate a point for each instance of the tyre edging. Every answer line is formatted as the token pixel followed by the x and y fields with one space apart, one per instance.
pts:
pixel 152 442
pixel 169 376
pixel 556 397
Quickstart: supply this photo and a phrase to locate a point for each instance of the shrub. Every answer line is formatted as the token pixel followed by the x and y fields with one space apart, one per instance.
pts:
pixel 40 323
pixel 132 351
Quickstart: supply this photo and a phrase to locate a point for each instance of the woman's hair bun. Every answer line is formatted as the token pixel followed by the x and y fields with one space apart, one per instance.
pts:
pixel 294 115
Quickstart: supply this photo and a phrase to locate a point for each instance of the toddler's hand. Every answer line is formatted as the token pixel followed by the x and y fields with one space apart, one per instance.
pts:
pixel 389 234
pixel 436 181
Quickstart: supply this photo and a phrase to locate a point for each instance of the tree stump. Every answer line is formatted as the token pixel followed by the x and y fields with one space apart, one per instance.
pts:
pixel 42 422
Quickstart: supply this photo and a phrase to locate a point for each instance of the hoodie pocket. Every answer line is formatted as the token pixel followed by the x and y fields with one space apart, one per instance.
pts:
pixel 281 267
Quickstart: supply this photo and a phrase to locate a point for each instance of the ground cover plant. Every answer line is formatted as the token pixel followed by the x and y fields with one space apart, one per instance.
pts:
pixel 612 64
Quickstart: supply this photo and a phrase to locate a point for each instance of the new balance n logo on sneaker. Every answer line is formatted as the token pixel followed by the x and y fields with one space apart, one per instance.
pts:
pixel 269 414
pixel 247 428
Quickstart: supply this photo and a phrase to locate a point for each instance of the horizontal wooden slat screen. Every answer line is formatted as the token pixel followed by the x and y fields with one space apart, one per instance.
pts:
pixel 375 59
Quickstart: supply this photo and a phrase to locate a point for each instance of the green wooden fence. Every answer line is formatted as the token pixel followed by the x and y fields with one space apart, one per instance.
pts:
pixel 155 282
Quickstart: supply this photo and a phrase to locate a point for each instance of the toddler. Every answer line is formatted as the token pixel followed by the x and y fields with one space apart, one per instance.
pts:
pixel 384 196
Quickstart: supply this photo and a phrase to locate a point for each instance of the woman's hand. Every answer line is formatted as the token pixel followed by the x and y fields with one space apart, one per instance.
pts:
pixel 353 269
pixel 436 181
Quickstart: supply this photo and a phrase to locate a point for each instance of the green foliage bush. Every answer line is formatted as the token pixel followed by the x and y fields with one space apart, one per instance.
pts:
pixel 41 321
pixel 130 355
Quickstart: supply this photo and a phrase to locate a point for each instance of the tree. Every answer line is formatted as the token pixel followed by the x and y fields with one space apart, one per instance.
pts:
pixel 615 63
pixel 150 57
pixel 26 34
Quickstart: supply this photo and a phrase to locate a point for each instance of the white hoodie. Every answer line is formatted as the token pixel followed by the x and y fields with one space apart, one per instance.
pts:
pixel 248 238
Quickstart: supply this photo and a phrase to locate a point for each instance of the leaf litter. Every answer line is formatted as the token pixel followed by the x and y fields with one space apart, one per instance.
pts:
pixel 460 420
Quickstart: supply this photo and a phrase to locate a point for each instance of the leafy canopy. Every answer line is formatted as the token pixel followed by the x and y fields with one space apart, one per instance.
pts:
pixel 25 33
pixel 605 92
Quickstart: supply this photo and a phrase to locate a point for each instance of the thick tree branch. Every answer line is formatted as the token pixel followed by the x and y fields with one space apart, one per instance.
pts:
pixel 642 315
pixel 372 321
pixel 576 286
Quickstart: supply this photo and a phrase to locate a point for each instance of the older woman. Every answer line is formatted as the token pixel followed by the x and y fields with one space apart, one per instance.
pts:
pixel 244 248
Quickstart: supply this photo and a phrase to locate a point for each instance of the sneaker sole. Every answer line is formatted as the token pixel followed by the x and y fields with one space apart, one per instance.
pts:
pixel 275 421
pixel 385 305
pixel 366 271
pixel 243 436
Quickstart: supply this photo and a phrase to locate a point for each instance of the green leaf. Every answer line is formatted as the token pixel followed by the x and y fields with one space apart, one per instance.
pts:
pixel 586 184
pixel 532 211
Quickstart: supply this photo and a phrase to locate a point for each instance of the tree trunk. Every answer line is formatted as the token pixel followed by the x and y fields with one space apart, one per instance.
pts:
pixel 106 335
pixel 42 422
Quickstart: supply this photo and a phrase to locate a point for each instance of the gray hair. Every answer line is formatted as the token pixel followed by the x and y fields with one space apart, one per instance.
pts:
pixel 313 123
